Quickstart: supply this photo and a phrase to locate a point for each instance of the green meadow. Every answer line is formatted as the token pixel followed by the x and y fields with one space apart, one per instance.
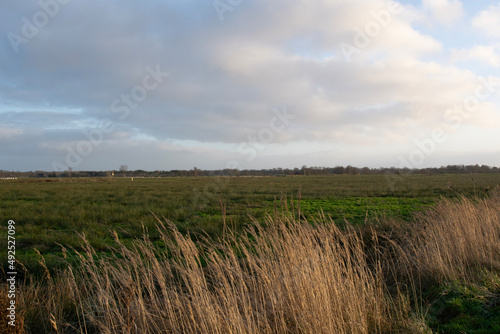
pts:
pixel 425 247
pixel 53 212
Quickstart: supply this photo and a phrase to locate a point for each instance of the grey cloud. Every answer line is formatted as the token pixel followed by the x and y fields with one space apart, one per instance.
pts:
pixel 225 77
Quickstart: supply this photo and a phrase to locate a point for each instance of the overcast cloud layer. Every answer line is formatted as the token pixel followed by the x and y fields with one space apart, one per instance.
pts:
pixel 162 85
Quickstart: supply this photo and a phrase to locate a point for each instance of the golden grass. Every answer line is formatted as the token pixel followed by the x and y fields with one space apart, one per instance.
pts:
pixel 457 239
pixel 286 277
pixel 4 321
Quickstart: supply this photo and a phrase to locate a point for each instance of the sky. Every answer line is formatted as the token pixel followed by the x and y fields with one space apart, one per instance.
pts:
pixel 248 84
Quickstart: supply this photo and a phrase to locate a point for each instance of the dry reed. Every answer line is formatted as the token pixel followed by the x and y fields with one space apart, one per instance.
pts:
pixel 286 277
pixel 457 239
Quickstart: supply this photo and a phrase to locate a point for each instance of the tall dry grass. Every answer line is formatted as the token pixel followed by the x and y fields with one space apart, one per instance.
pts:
pixel 286 277
pixel 457 239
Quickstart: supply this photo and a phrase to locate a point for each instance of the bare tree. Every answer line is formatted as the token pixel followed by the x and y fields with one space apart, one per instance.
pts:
pixel 123 169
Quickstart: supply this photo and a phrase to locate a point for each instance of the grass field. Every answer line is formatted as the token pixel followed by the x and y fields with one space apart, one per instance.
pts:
pixel 51 213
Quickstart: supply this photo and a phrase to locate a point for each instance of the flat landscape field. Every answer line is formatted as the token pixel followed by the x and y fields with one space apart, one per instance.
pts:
pixel 51 212
pixel 295 254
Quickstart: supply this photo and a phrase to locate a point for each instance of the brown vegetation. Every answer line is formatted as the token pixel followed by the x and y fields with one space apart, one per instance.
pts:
pixel 286 277
pixel 457 239
pixel 4 321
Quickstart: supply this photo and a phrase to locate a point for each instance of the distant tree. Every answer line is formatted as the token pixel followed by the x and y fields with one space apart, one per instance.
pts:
pixel 351 170
pixel 123 169
pixel 338 170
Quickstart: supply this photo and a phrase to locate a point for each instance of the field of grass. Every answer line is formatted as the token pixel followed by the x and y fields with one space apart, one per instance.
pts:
pixel 212 215
pixel 49 212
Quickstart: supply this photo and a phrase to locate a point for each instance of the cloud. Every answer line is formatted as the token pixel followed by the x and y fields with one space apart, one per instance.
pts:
pixel 488 21
pixel 446 12
pixel 481 53
pixel 9 133
pixel 226 78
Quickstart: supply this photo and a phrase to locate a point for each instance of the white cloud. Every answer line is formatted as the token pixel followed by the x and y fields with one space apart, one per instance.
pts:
pixel 445 12
pixel 227 77
pixel 488 21
pixel 9 133
pixel 481 53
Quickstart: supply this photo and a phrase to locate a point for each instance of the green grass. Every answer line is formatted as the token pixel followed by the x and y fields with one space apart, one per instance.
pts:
pixel 458 307
pixel 52 212
pixel 360 209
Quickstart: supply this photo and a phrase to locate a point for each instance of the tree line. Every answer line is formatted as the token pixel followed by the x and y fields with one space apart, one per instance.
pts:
pixel 305 170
